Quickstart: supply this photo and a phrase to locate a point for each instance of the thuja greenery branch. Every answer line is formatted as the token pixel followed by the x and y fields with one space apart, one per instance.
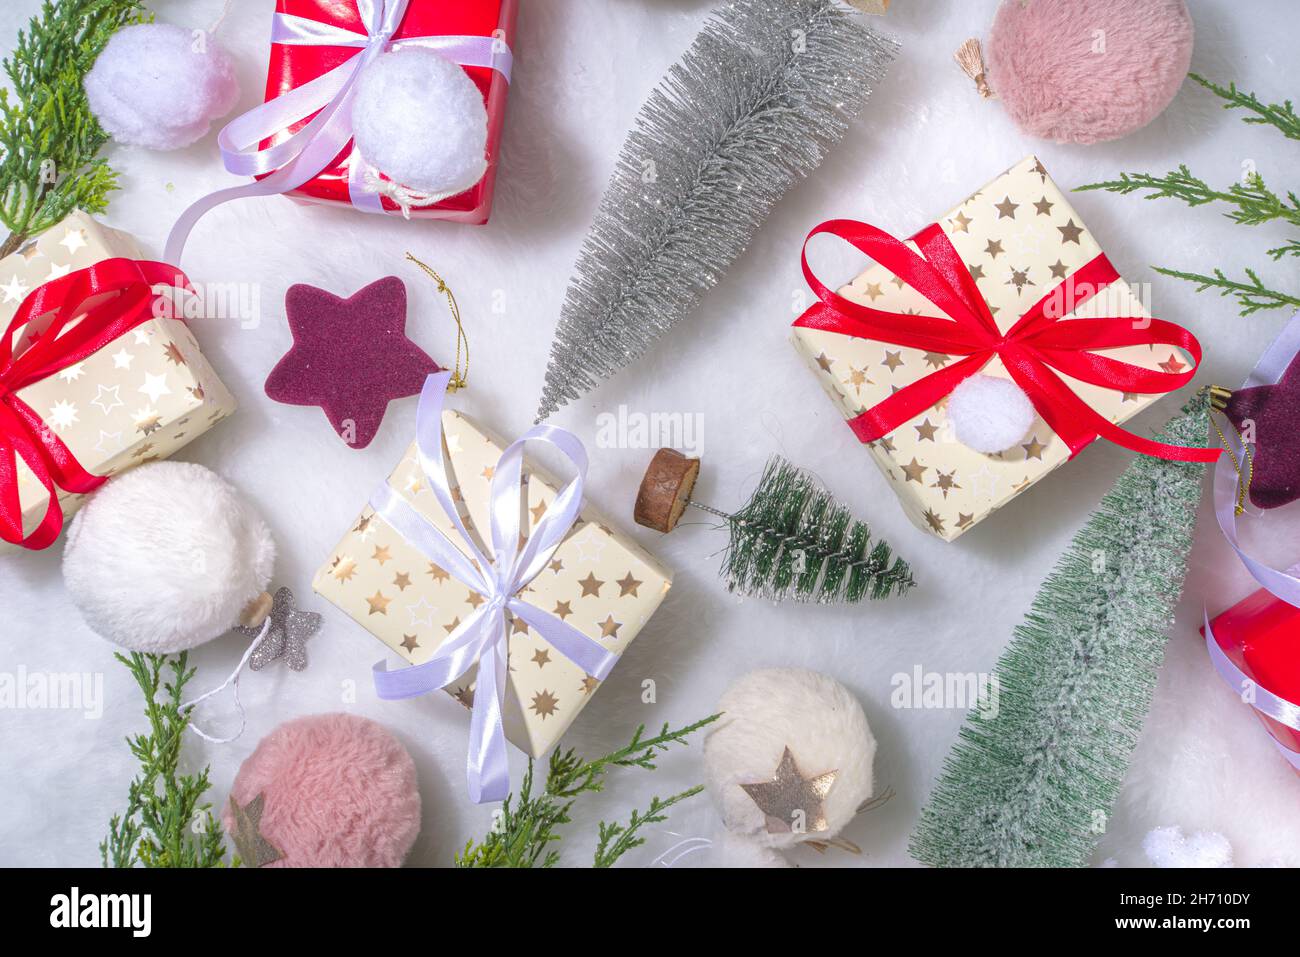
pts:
pixel 1251 297
pixel 617 839
pixel 49 140
pixel 1254 202
pixel 1281 115
pixel 527 824
pixel 1251 200
pixel 166 822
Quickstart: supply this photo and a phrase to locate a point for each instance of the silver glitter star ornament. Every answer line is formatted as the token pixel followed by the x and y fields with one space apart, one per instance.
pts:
pixel 287 636
pixel 752 107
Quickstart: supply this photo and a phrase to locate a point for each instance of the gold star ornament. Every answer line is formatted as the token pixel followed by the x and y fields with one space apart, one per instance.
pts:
pixel 790 802
pixel 254 849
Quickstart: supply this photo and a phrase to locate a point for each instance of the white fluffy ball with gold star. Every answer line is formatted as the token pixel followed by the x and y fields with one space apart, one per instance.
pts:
pixel 790 762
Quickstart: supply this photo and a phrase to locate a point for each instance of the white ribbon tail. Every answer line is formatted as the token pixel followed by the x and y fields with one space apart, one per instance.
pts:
pixel 233 679
pixel 454 658
pixel 303 155
pixel 585 652
pixel 487 765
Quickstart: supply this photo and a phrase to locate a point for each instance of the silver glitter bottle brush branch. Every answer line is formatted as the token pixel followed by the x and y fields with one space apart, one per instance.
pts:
pixel 751 108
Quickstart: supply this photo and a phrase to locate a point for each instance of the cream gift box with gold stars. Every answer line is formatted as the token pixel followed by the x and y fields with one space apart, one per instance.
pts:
pixel 598 581
pixel 139 398
pixel 1020 238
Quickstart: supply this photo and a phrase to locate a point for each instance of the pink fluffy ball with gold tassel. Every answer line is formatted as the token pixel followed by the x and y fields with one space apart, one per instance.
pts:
pixel 329 790
pixel 1083 71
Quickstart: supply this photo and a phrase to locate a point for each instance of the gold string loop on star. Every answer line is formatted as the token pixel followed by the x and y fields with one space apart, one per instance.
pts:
pixel 1244 468
pixel 459 377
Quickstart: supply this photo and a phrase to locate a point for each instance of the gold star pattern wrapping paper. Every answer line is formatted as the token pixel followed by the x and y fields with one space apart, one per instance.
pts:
pixel 598 581
pixel 140 398
pixel 1020 238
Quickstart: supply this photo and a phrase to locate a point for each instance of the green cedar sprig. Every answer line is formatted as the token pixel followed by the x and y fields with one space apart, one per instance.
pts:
pixel 617 839
pixel 528 824
pixel 792 539
pixel 49 139
pixel 1282 116
pixel 166 822
pixel 1252 296
pixel 1252 202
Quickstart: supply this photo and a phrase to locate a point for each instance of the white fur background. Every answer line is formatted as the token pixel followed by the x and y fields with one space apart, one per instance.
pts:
pixel 925 141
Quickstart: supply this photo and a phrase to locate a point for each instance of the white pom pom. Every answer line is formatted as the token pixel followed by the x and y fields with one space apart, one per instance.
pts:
pixel 822 725
pixel 160 86
pixel 989 413
pixel 1167 847
pixel 165 557
pixel 419 119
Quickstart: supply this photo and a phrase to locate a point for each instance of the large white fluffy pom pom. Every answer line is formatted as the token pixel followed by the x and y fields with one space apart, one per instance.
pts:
pixel 419 119
pixel 165 557
pixel 160 86
pixel 989 413
pixel 819 721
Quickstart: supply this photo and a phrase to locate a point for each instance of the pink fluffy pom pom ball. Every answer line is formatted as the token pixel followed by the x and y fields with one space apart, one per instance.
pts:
pixel 1087 71
pixel 329 790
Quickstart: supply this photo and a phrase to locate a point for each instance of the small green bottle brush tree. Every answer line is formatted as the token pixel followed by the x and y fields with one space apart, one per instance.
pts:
pixel 1252 202
pixel 792 539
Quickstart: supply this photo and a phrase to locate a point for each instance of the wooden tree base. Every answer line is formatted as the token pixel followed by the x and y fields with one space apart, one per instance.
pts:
pixel 666 490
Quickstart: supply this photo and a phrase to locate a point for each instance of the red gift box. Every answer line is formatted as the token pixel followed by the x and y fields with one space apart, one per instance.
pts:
pixel 293 65
pixel 1260 635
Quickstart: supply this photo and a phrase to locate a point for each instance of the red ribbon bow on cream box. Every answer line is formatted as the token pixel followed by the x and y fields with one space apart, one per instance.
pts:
pixel 1079 369
pixel 97 374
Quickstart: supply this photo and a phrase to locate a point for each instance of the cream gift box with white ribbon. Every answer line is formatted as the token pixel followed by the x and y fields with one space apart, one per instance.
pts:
pixel 598 581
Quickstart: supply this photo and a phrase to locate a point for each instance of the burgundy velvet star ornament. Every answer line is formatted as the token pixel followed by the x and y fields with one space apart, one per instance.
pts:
pixel 1272 412
pixel 350 356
